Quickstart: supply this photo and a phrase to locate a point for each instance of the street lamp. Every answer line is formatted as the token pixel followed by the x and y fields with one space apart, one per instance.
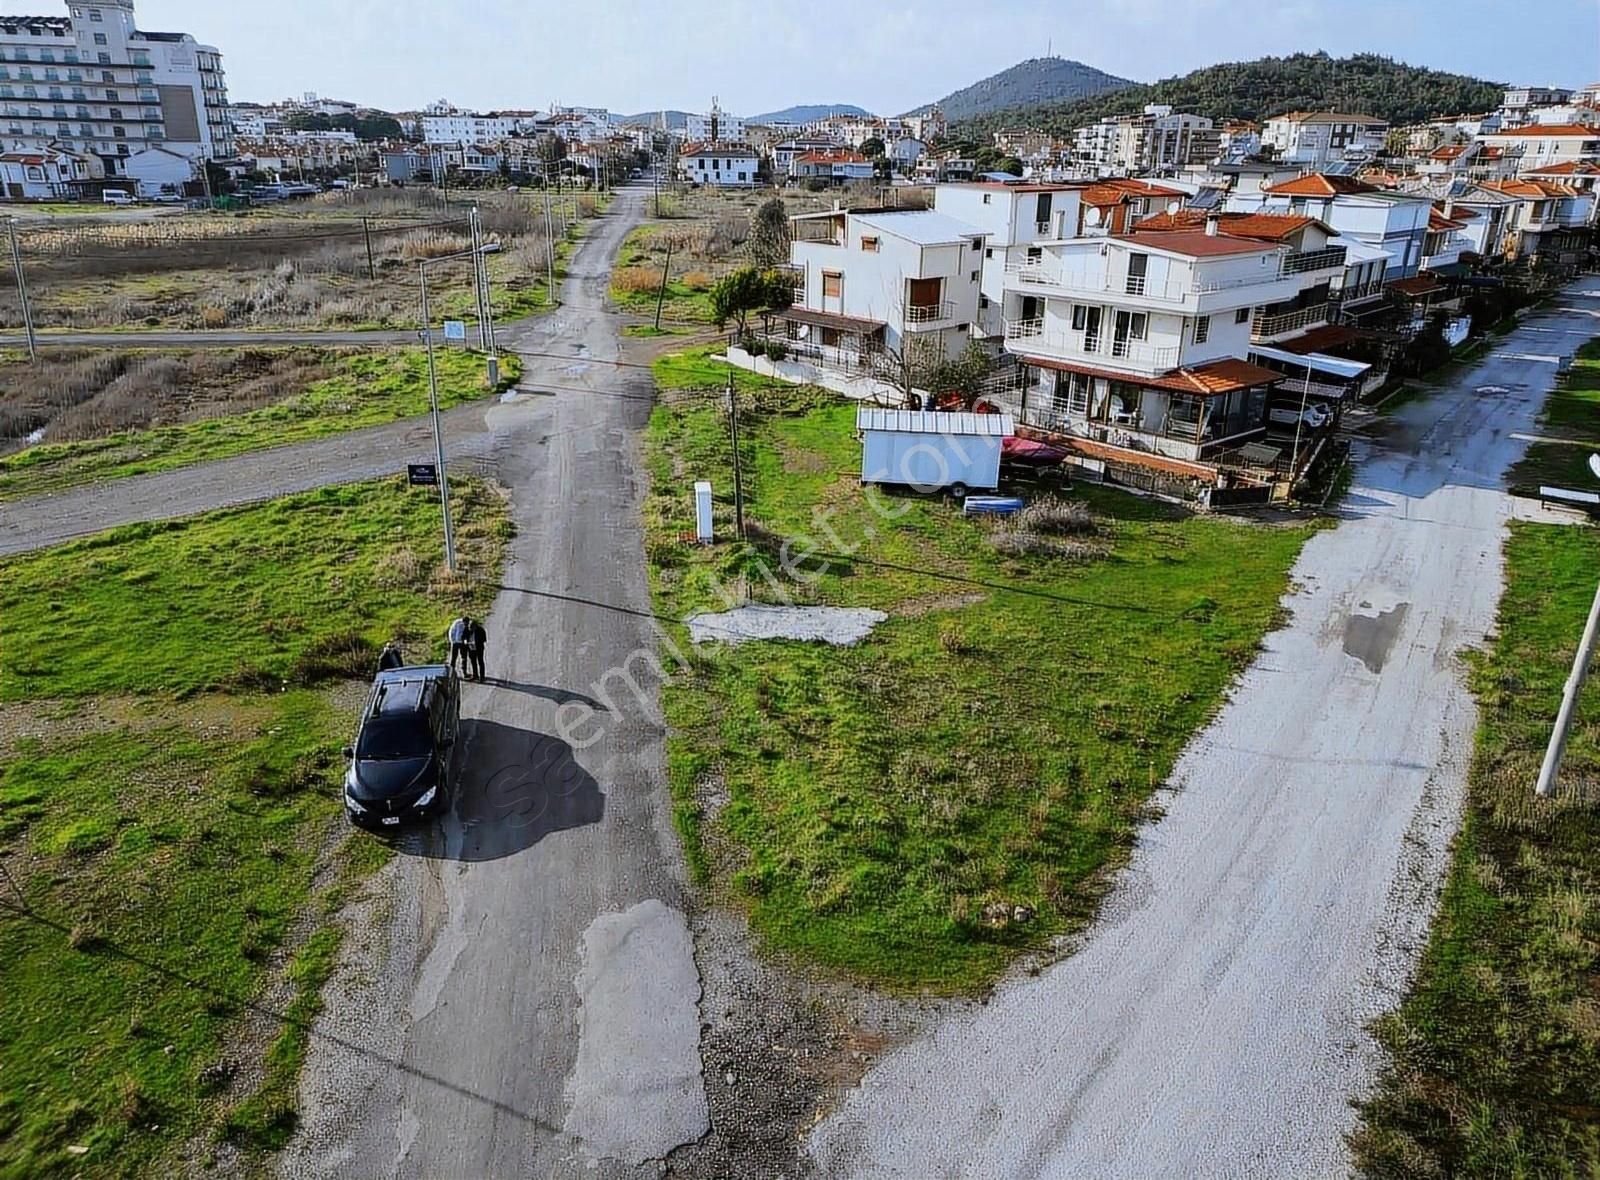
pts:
pixel 1557 748
pixel 433 383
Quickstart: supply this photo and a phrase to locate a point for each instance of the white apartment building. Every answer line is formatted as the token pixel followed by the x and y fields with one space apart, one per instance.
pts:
pixel 894 280
pixel 464 127
pixel 1138 343
pixel 715 126
pixel 1016 219
pixel 1542 146
pixel 1316 139
pixel 1157 141
pixel 94 83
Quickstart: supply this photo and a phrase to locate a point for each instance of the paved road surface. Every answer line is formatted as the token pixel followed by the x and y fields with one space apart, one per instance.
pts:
pixel 1213 1024
pixel 520 996
pixel 263 339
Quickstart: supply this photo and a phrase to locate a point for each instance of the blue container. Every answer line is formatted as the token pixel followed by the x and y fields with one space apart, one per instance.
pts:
pixel 991 505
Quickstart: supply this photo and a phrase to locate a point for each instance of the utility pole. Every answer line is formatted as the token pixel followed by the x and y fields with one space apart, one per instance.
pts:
pixel 1569 703
pixel 661 296
pixel 549 249
pixel 438 433
pixel 22 290
pixel 372 267
pixel 475 233
pixel 738 470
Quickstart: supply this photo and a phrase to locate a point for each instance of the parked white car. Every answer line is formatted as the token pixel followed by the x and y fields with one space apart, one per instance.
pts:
pixel 1314 417
pixel 117 196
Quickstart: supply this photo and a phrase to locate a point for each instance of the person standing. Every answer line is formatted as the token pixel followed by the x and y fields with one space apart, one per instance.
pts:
pixel 477 640
pixel 458 643
pixel 390 658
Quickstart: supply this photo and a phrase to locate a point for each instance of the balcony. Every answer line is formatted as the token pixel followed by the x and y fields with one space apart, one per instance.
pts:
pixel 930 315
pixel 1331 258
pixel 794 275
pixel 1266 327
pixel 1047 273
pixel 1091 348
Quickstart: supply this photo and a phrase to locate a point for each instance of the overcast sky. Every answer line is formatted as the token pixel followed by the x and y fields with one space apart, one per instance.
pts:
pixel 759 55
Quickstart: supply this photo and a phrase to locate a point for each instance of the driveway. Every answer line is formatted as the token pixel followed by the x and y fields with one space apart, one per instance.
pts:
pixel 519 995
pixel 1214 1022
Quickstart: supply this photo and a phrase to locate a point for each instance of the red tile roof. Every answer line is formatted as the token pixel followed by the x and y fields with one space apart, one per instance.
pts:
pixel 1118 190
pixel 1323 339
pixel 831 158
pixel 1319 185
pixel 1438 222
pixel 1216 379
pixel 1417 287
pixel 1449 153
pixel 1195 243
pixel 1567 168
pixel 1553 131
pixel 1264 227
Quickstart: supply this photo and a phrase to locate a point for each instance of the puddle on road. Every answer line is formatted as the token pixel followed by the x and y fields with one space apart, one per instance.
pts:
pixel 1370 638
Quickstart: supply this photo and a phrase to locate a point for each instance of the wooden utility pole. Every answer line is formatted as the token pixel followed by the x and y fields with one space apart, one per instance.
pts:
pixel 661 295
pixel 22 290
pixel 372 267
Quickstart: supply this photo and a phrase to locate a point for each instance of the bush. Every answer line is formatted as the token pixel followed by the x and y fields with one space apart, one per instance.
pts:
pixel 777 350
pixel 1017 543
pixel 213 317
pixel 636 280
pixel 697 280
pixel 1050 516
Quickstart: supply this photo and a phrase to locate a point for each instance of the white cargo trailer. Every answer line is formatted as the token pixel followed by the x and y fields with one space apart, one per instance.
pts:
pixel 932 451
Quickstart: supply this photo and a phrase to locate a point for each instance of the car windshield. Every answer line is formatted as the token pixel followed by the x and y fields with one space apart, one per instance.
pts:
pixel 389 738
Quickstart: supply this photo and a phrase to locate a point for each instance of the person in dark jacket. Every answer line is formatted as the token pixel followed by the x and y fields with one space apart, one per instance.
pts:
pixel 390 658
pixel 477 640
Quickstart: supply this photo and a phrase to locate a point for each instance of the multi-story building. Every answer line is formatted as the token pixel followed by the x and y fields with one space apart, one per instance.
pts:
pixel 721 165
pixel 465 127
pixel 889 280
pixel 784 154
pixel 834 167
pixel 1315 139
pixel 94 83
pixel 1138 343
pixel 1157 141
pixel 1520 100
pixel 1541 145
pixel 1395 222
pixel 717 126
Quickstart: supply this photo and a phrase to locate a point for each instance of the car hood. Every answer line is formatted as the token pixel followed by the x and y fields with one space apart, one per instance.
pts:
pixel 381 780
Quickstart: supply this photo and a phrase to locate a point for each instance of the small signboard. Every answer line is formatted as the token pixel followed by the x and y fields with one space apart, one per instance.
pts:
pixel 422 475
pixel 455 330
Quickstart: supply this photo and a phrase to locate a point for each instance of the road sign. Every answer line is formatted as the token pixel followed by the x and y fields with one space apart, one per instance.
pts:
pixel 422 475
pixel 455 330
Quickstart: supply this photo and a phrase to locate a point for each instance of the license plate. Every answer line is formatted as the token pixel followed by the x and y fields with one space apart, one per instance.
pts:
pixel 391 819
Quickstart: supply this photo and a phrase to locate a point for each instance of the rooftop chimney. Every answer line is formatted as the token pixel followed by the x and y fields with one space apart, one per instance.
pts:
pixel 1213 223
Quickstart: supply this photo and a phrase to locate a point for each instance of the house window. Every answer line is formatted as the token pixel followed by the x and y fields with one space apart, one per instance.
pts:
pixel 94 15
pixel 977 243
pixel 1138 326
pixel 988 253
pixel 1202 329
pixel 870 245
pixel 1242 316
pixel 832 284
pixel 1080 317
pixel 99 38
pixel 983 301
pixel 976 275
pixel 986 199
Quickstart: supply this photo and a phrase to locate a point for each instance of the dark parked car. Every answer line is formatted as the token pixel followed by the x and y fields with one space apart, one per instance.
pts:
pixel 401 764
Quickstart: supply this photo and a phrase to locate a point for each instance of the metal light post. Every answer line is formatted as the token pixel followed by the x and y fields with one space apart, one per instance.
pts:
pixel 1557 748
pixel 433 389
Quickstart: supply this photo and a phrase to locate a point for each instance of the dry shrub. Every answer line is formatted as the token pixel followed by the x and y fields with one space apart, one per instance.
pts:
pixel 213 317
pixel 1014 543
pixel 401 569
pixel 588 205
pixel 431 243
pixel 636 279
pixel 697 280
pixel 1054 517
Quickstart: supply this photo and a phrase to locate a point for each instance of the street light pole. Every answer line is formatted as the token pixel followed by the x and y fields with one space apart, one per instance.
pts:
pixel 1556 750
pixel 438 433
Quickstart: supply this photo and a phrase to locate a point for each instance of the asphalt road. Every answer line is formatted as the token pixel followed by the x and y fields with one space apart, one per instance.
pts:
pixel 1213 1024
pixel 519 995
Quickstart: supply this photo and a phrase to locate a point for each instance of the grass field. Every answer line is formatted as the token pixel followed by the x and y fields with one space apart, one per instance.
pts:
pixel 635 281
pixel 369 389
pixel 171 710
pixel 1496 1051
pixel 884 810
pixel 1572 411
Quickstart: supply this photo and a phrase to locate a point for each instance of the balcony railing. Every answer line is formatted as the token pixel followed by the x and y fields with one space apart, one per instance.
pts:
pixel 1331 258
pixel 1290 321
pixel 1043 229
pixel 1180 290
pixel 1024 329
pixel 1369 290
pixel 931 313
pixel 1092 347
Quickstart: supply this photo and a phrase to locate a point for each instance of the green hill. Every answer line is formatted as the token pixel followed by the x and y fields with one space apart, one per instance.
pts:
pixel 1029 83
pixel 1365 84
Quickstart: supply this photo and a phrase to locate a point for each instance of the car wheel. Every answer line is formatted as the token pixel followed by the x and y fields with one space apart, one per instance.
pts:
pixel 958 491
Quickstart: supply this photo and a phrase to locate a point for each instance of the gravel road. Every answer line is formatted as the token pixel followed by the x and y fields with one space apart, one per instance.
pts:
pixel 1213 1024
pixel 519 995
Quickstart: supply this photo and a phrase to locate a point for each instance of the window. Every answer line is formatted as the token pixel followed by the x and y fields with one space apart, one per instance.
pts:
pixel 1202 329
pixel 99 38
pixel 987 199
pixel 94 15
pixel 988 253
pixel 744 176
pixel 103 58
pixel 1080 317
pixel 116 112
pixel 1242 316
pixel 977 243
pixel 870 245
pixel 1138 266
pixel 113 96
pixel 976 275
pixel 832 284
pixel 1138 326
pixel 983 301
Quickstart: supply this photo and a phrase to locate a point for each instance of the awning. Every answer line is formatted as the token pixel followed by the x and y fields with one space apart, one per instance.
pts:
pixel 829 319
pixel 1318 362
pixel 1215 379
pixel 1417 287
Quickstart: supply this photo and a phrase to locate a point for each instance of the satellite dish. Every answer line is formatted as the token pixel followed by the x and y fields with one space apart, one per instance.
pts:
pixel 1594 465
pixel 1173 207
pixel 1093 216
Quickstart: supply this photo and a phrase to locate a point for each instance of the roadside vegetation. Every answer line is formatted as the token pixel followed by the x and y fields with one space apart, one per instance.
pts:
pixel 131 413
pixel 1571 414
pixel 173 698
pixel 1496 1052
pixel 900 811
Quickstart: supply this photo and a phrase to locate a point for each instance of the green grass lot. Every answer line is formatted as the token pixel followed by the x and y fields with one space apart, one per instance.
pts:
pixel 370 389
pixel 1572 411
pixel 683 304
pixel 169 810
pixel 1496 1051
pixel 994 744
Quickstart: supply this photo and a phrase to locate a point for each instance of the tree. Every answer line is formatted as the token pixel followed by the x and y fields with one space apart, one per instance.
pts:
pixel 1009 164
pixel 746 291
pixel 964 377
pixel 768 243
pixel 551 148
pixel 915 365
pixel 873 148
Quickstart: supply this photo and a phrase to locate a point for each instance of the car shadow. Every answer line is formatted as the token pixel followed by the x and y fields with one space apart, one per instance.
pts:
pixel 514 787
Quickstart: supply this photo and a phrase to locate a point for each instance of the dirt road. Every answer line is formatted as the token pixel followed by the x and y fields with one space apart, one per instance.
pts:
pixel 519 996
pixel 1214 1023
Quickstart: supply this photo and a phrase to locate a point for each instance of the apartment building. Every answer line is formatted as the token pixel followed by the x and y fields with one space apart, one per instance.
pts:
pixel 93 83
pixel 1016 220
pixel 1315 139
pixel 1137 342
pixel 456 127
pixel 714 126
pixel 1540 146
pixel 1158 141
pixel 1395 222
pixel 893 280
